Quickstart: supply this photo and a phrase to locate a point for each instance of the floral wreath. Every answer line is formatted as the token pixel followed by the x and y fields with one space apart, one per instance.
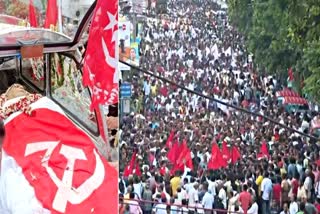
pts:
pixel 22 104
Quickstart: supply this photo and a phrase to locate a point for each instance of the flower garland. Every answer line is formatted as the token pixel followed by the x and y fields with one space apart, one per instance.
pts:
pixel 57 71
pixel 22 105
pixel 37 65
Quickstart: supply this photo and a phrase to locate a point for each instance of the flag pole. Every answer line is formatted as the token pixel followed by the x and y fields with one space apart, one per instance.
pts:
pixel 60 15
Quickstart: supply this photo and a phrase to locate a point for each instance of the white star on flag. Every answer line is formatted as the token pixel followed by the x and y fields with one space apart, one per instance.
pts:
pixel 114 36
pixel 112 21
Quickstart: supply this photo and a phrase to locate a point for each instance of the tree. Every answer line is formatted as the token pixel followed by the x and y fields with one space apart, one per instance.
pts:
pixel 282 34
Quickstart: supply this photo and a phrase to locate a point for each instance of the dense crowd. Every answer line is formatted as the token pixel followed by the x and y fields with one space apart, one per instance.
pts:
pixel 196 47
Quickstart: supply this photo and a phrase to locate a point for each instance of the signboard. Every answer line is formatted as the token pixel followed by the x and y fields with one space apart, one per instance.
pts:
pixel 125 90
pixel 126 106
pixel 124 44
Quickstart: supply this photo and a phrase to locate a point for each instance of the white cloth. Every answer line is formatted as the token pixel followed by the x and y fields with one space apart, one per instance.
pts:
pixel 16 195
pixel 223 197
pixel 293 208
pixel 160 209
pixel 266 188
pixel 253 209
pixel 207 201
pixel 193 197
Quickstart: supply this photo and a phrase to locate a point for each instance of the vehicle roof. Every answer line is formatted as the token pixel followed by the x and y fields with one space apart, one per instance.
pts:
pixel 287 93
pixel 295 100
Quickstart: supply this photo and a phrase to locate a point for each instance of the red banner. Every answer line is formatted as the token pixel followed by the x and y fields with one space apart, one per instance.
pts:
pixel 101 59
pixel 51 14
pixel 32 15
pixel 61 163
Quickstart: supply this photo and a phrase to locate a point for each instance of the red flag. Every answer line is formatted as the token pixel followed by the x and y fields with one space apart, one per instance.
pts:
pixel 51 14
pixel 225 151
pixel 32 15
pixel 60 163
pixel 170 139
pixel 184 157
pixel 137 170
pixel 264 152
pixel 235 154
pixel 129 168
pixel 290 74
pixel 173 153
pixel 216 161
pixel 100 71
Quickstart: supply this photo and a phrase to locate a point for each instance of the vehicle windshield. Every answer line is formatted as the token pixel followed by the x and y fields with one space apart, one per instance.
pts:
pixel 17 18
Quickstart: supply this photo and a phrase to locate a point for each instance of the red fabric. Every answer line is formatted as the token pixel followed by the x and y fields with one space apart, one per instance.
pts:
pixel 51 14
pixel 264 152
pixel 137 170
pixel 225 151
pixel 235 155
pixel 170 139
pixel 245 104
pixel 101 60
pixel 164 91
pixel 318 207
pixel 173 153
pixel 290 74
pixel 216 161
pixel 295 186
pixel 245 200
pixel 184 157
pixel 129 168
pixel 43 148
pixel 163 171
pixel 32 15
pixel 151 158
pixel 277 192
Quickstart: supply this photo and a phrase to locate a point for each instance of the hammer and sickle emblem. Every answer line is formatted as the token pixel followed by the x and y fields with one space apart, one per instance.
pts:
pixel 66 193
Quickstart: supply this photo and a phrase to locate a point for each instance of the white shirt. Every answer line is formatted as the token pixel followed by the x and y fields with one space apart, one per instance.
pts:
pixel 138 189
pixel 266 188
pixel 160 209
pixel 207 201
pixel 308 184
pixel 223 197
pixel 193 197
pixel 212 187
pixel 253 209
pixel 293 208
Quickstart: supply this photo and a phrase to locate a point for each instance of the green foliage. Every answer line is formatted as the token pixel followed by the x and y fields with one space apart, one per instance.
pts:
pixel 282 34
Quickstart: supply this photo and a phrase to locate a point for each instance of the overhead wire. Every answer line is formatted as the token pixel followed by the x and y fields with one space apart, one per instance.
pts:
pixel 136 68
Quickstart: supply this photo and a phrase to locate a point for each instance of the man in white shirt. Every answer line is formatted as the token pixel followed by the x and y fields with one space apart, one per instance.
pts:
pixel 254 207
pixel 293 207
pixel 223 196
pixel 266 189
pixel 193 196
pixel 207 200
pixel 212 186
pixel 161 208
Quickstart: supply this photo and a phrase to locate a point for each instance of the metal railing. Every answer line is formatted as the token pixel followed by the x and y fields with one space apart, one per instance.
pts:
pixel 171 207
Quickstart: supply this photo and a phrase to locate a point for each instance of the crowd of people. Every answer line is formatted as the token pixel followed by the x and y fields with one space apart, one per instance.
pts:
pixel 196 47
